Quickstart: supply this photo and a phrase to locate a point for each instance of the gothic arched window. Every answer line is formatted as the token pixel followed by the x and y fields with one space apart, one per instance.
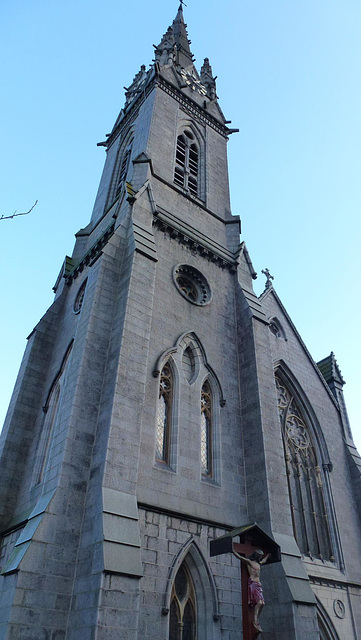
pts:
pixel 187 163
pixel 51 413
pixel 305 485
pixel 164 415
pixel 123 167
pixel 182 619
pixel 206 430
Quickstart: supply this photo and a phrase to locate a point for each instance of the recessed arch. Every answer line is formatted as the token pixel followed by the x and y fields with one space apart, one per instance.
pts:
pixel 308 467
pixel 190 338
pixel 186 123
pixel 276 328
pixel 122 165
pixel 208 443
pixel 166 439
pixel 49 420
pixel 58 375
pixel 192 371
pixel 189 159
pixel 285 374
pixel 206 594
pixel 326 628
pixel 164 415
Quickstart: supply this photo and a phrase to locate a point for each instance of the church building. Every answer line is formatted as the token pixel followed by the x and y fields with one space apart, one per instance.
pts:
pixel 161 403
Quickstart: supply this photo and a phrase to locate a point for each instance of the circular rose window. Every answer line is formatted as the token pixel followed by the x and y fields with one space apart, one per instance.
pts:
pixel 192 284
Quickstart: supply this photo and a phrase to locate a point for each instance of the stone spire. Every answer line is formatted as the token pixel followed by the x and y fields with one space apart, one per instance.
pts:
pixel 174 46
pixel 184 54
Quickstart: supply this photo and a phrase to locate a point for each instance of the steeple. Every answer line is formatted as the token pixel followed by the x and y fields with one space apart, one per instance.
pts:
pixel 184 55
pixel 146 406
pixel 175 45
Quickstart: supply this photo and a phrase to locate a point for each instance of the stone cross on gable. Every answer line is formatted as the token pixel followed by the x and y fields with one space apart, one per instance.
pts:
pixel 269 277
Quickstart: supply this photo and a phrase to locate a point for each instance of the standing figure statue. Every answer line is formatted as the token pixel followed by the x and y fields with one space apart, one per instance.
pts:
pixel 255 592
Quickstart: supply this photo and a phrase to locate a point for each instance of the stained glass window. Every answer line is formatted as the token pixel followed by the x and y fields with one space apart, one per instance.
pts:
pixel 174 618
pixel 164 414
pixel 188 622
pixel 182 621
pixel 206 430
pixel 309 512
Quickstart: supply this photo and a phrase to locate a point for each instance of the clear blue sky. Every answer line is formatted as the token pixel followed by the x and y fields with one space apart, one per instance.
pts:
pixel 288 77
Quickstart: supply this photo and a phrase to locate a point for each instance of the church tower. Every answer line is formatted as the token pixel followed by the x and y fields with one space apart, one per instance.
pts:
pixel 160 404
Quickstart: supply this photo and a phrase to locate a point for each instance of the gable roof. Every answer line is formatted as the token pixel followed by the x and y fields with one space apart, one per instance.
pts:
pixel 271 291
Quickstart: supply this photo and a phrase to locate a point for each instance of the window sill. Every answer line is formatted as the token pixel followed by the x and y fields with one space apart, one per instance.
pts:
pixel 163 466
pixel 211 481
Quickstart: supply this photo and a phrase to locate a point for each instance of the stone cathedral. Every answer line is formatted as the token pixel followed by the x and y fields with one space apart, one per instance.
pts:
pixel 161 404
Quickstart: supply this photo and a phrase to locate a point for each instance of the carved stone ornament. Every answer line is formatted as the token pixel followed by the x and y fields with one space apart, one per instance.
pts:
pixel 339 608
pixel 192 284
pixel 294 426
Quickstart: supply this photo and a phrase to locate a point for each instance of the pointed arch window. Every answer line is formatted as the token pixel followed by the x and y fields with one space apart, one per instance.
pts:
pixel 123 168
pixel 187 163
pixel 305 484
pixel 164 415
pixel 51 413
pixel 206 431
pixel 325 626
pixel 182 619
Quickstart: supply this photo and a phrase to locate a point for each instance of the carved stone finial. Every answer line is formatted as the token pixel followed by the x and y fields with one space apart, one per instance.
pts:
pixel 133 89
pixel 207 79
pixel 269 279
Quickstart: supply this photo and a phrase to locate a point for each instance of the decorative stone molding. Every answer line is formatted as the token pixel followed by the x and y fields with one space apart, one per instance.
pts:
pixel 330 584
pixel 192 109
pixel 91 255
pixel 339 608
pixel 194 245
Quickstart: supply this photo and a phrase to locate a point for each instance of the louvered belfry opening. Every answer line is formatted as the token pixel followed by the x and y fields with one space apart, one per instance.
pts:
pixel 187 163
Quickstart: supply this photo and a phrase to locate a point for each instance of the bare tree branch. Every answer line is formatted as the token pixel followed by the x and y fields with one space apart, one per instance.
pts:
pixel 25 213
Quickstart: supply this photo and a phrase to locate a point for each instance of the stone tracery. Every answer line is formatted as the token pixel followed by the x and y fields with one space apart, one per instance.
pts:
pixel 308 507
